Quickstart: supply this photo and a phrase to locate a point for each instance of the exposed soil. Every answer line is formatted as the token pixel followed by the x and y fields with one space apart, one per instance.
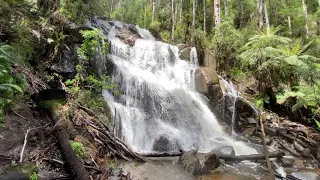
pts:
pixel 40 146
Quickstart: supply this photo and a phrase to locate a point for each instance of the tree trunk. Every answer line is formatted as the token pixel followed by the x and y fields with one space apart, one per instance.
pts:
pixel 204 15
pixel 217 19
pixel 305 13
pixel 266 16
pixel 193 15
pixel 69 155
pixel 111 7
pixel 180 18
pixel 270 12
pixel 289 24
pixel 173 18
pixel 260 9
pixel 153 10
pixel 226 10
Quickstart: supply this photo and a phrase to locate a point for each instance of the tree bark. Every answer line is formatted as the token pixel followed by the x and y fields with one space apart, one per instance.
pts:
pixel 217 19
pixel 260 9
pixel 289 24
pixel 193 15
pixel 305 13
pixel 204 15
pixel 226 9
pixel 266 16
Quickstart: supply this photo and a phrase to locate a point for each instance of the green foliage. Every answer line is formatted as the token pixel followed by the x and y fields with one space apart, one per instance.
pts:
pixel 318 123
pixel 78 148
pixel 307 96
pixel 260 101
pixel 34 176
pixel 11 85
pixel 92 44
pixel 92 40
pixel 225 44
pixel 80 10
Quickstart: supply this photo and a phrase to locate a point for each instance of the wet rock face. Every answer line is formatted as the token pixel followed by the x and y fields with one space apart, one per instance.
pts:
pixel 199 163
pixel 66 65
pixel 205 81
pixel 165 144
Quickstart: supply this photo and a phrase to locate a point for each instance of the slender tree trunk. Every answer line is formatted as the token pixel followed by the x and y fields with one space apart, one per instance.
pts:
pixel 270 11
pixel 319 2
pixel 111 7
pixel 180 15
pixel 266 16
pixel 289 24
pixel 193 15
pixel 173 19
pixel 260 10
pixel 305 13
pixel 226 10
pixel 217 19
pixel 204 15
pixel 153 10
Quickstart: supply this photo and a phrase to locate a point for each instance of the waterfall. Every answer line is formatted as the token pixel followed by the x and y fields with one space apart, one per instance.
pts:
pixel 158 108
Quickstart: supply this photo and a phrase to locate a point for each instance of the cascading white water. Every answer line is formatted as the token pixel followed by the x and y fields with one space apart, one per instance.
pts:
pixel 158 103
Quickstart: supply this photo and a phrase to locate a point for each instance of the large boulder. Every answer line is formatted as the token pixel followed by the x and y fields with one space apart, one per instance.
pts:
pixel 209 60
pixel 205 78
pixel 185 53
pixel 207 83
pixel 199 163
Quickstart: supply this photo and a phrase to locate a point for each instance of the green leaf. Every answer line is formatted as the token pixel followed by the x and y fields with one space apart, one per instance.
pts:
pixel 15 87
pixel 294 60
pixel 318 123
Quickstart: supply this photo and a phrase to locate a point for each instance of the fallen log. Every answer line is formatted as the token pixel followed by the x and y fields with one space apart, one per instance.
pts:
pixel 70 156
pixel 253 157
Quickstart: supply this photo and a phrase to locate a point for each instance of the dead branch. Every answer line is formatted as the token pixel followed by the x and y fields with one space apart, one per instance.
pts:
pixel 266 151
pixel 25 142
pixel 102 133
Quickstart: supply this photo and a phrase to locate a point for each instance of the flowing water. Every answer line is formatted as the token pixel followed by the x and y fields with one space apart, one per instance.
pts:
pixel 158 103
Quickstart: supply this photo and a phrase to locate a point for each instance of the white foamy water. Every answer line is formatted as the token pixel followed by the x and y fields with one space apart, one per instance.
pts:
pixel 158 99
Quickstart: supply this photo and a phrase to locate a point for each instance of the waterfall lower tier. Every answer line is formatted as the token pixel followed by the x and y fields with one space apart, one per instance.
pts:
pixel 158 108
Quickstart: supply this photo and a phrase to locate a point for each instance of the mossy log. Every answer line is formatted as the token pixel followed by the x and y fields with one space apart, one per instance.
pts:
pixel 69 155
